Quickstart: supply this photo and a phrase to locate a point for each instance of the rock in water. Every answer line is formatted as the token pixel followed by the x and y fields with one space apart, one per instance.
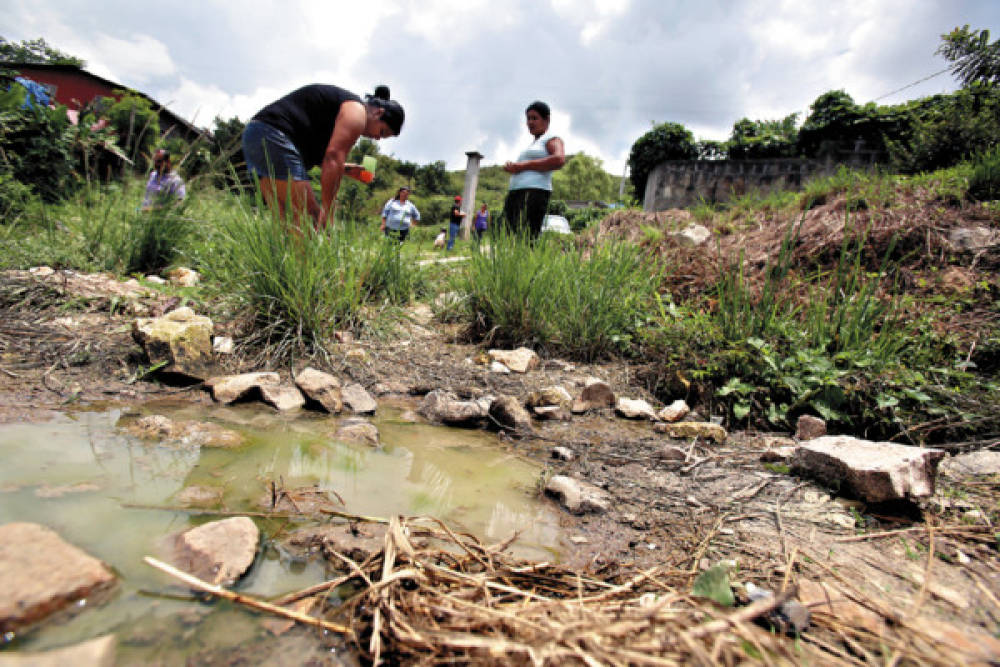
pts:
pixel 230 388
pixel 508 413
pixel 874 471
pixel 218 552
pixel 40 574
pixel 443 406
pixel 322 388
pixel 358 400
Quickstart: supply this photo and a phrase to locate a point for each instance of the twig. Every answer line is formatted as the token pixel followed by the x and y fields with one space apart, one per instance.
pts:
pixel 197 583
pixel 8 373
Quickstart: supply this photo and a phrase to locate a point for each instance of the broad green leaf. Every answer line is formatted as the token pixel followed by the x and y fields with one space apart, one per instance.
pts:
pixel 713 584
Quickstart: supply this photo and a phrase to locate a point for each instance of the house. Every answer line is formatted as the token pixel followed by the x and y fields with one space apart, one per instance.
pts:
pixel 74 87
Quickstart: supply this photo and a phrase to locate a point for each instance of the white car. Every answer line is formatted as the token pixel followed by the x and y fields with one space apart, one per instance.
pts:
pixel 557 224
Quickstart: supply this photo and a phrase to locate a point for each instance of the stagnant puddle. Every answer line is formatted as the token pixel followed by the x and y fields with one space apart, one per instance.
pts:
pixel 82 475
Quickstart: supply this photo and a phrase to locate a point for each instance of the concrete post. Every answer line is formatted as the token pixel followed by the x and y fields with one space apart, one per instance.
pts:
pixel 469 191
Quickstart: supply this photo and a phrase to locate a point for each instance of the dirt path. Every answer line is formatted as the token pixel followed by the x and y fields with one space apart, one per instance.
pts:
pixel 682 504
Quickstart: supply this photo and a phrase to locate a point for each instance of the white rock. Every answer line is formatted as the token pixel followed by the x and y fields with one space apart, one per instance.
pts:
pixel 284 397
pixel 635 409
pixel 229 388
pixel 218 552
pixel 184 276
pixel 322 388
pixel 692 236
pixel 520 360
pixel 674 411
pixel 357 399
pixel 576 496
pixel 497 367
pixel 223 345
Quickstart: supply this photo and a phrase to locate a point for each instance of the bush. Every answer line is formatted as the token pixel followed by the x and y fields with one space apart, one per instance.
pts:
pixel 35 143
pixel 554 297
pixel 984 183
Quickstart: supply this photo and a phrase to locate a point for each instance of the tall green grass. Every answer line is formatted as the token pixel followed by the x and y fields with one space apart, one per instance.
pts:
pixel 557 297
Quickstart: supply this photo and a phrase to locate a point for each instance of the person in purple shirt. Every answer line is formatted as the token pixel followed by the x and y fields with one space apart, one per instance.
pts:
pixel 481 221
pixel 164 185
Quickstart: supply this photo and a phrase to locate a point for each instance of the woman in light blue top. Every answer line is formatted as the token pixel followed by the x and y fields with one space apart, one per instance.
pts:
pixel 398 214
pixel 531 181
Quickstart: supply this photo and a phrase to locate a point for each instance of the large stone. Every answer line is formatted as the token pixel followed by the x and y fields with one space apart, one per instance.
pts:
pixel 706 430
pixel 576 496
pixel 443 406
pixel 199 496
pixel 553 395
pixel 358 430
pixel 874 471
pixel 218 552
pixel 596 394
pixel 520 360
pixel 322 388
pixel 983 462
pixel 180 339
pixel 823 598
pixel 808 427
pixel 692 236
pixel 184 276
pixel 230 388
pixel 635 409
pixel 97 652
pixel 358 400
pixel 186 433
pixel 675 411
pixel 283 397
pixel 552 413
pixel 508 413
pixel 40 574
pixel 973 238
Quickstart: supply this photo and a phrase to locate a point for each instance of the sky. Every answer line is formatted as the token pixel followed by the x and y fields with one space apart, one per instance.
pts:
pixel 464 70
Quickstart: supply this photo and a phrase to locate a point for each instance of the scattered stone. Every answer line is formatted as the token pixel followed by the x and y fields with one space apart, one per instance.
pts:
pixel 383 388
pixel 223 345
pixel 187 433
pixel 553 395
pixel 357 399
pixel 559 365
pixel 579 539
pixel 356 354
pixel 635 409
pixel 809 427
pixel 674 412
pixel 356 541
pixel 671 453
pixel 41 271
pixel 778 455
pixel 97 652
pixel 983 462
pixel 497 367
pixel 520 360
pixel 230 388
pixel 40 574
pixel 358 430
pixel 792 615
pixel 706 430
pixel 156 280
pixel 199 496
pixel 974 516
pixel 972 238
pixel 508 413
pixel 443 406
pixel 563 454
pixel 218 552
pixel 184 276
pixel 873 471
pixel 283 397
pixel 596 394
pixel 180 339
pixel 772 442
pixel 822 598
pixel 46 491
pixel 692 236
pixel 552 413
pixel 343 337
pixel 576 496
pixel 322 388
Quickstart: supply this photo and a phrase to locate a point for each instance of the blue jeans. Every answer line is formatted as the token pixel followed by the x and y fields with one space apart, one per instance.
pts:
pixel 271 154
pixel 452 233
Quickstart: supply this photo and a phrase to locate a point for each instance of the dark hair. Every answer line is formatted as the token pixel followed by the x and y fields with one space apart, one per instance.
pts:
pixel 392 111
pixel 401 188
pixel 541 107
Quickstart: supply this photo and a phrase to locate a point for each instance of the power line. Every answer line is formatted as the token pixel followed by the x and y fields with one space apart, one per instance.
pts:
pixel 910 85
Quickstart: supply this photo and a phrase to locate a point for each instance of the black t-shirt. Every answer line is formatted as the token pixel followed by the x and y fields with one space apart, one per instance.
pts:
pixel 456 214
pixel 307 116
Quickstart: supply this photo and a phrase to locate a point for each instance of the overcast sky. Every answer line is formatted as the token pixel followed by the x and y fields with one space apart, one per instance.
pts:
pixel 464 70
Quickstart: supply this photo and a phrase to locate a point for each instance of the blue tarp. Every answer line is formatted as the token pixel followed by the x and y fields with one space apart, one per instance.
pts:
pixel 37 94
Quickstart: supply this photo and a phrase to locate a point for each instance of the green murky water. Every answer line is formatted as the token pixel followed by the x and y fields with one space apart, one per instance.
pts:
pixel 77 473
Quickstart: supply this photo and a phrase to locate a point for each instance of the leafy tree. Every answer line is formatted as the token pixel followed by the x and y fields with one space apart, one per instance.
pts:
pixel 35 51
pixel 432 178
pixel 667 141
pixel 137 125
pixel 362 149
pixel 407 170
pixel 35 144
pixel 228 151
pixel 582 178
pixel 764 139
pixel 974 59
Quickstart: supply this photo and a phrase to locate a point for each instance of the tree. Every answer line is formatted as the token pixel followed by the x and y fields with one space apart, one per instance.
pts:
pixel 582 178
pixel 408 170
pixel 763 139
pixel 432 178
pixel 974 59
pixel 35 51
pixel 830 124
pixel 667 141
pixel 363 149
pixel 137 125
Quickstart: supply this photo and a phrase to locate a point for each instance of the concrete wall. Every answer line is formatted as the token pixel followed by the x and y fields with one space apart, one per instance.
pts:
pixel 683 183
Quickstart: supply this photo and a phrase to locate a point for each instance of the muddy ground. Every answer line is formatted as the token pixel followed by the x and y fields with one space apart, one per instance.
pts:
pixel 65 341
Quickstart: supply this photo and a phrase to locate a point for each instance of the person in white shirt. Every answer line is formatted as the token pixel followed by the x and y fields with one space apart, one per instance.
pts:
pixel 399 214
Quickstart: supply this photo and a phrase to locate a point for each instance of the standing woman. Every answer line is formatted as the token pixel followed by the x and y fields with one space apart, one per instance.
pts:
pixel 399 214
pixel 531 183
pixel 481 222
pixel 314 125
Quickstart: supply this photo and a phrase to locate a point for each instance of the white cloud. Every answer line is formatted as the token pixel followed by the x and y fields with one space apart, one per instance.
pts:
pixel 139 59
